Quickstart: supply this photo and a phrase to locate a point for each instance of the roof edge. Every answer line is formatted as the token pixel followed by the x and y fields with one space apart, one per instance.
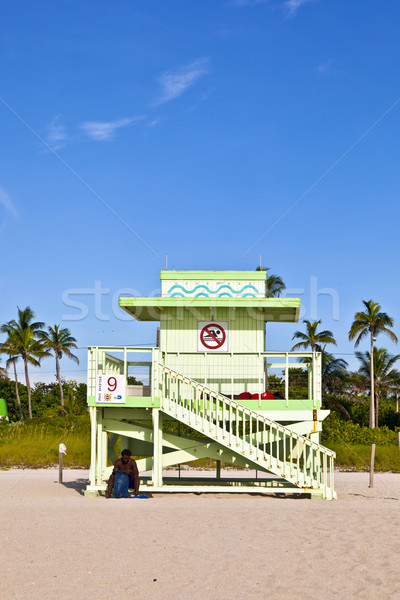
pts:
pixel 219 275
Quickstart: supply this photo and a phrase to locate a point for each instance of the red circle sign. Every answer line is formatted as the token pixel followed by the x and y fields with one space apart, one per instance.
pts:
pixel 213 336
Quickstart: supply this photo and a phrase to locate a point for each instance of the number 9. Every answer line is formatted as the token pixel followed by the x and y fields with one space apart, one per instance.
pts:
pixel 112 384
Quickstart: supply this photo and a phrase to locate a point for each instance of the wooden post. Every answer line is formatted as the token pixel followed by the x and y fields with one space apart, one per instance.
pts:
pixel 60 467
pixel 93 429
pixel 218 473
pixel 157 448
pixel 371 467
pixel 61 450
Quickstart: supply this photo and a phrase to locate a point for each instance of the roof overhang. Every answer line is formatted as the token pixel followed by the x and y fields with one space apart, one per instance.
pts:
pixel 279 310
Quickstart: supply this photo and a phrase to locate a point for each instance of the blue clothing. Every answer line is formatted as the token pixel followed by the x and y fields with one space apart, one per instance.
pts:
pixel 121 483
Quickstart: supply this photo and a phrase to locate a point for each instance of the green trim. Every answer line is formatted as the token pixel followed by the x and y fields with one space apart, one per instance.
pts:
pixel 219 275
pixel 285 310
pixel 280 404
pixel 131 402
pixel 168 302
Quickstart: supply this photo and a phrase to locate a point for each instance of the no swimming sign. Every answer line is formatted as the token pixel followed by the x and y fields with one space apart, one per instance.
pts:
pixel 212 336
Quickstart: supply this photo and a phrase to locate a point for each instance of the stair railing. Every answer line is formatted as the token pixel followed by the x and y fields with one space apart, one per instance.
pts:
pixel 266 443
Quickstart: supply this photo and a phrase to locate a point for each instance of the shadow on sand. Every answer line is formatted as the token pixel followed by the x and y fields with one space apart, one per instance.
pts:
pixel 79 485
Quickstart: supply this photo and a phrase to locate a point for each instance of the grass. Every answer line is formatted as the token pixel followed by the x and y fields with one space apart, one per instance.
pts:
pixel 356 457
pixel 36 446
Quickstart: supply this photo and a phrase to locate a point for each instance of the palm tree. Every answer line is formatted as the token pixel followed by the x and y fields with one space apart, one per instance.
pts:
pixel 334 373
pixel 358 384
pixel 312 339
pixel 385 377
pixel 275 284
pixel 3 372
pixel 10 349
pixel 395 390
pixel 24 334
pixel 371 322
pixel 61 342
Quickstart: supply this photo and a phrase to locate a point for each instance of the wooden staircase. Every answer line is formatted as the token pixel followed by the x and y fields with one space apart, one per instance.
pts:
pixel 265 443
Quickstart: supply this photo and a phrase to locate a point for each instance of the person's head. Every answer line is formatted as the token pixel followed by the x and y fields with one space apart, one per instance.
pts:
pixel 125 455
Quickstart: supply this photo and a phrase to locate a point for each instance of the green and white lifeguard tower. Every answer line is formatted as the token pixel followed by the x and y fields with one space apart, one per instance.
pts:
pixel 210 373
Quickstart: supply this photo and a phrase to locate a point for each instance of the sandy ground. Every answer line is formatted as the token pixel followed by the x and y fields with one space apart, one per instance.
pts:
pixel 57 544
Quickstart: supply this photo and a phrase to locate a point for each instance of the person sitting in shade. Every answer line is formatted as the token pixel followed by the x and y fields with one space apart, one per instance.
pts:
pixel 125 472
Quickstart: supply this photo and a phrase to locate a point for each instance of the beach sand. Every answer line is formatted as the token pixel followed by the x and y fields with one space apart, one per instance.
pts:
pixel 57 544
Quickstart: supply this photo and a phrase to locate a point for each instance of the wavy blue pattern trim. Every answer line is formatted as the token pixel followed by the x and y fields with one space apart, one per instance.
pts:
pixel 202 285
pixel 178 294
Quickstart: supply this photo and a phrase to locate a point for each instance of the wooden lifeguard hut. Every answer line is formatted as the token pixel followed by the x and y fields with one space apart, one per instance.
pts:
pixel 209 373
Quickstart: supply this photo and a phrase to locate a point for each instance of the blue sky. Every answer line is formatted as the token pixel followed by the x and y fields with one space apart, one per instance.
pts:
pixel 131 130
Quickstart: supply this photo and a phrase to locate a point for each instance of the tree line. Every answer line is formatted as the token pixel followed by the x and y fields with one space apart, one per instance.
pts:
pixel 376 374
pixel 29 341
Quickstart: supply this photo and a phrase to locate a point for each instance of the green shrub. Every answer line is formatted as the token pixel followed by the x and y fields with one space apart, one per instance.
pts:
pixel 336 429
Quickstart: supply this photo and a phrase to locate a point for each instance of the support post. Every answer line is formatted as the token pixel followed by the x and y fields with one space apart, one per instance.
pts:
pixel 218 470
pixel 99 461
pixel 371 467
pixel 286 379
pixel 125 369
pixel 310 381
pixel 157 448
pixel 260 369
pixel 104 452
pixel 92 471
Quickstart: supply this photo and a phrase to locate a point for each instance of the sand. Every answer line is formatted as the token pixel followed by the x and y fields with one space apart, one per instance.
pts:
pixel 57 544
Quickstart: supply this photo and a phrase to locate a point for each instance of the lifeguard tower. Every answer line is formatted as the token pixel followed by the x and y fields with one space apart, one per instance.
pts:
pixel 206 394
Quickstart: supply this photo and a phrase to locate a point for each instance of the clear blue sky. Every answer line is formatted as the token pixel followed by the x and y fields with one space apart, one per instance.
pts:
pixel 191 128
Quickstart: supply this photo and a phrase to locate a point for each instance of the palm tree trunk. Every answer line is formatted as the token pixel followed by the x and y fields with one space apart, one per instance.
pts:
pixel 377 409
pixel 397 401
pixel 372 399
pixel 28 387
pixel 21 414
pixel 59 380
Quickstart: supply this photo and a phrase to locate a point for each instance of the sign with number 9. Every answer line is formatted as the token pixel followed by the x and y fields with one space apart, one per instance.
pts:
pixel 110 389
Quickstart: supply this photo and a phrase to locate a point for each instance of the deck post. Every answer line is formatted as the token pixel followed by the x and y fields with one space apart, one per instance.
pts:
pixel 104 453
pixel 99 461
pixel 157 447
pixel 92 471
